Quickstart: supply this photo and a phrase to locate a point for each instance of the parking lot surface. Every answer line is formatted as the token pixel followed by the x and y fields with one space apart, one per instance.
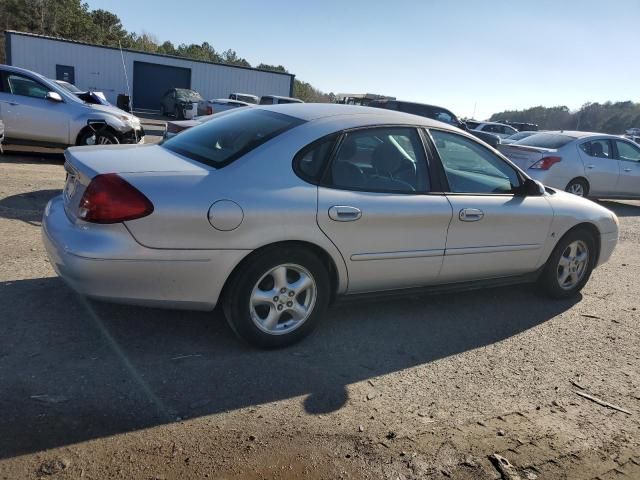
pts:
pixel 413 387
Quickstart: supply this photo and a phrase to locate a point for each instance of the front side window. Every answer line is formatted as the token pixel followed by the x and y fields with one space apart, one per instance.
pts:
pixel 628 152
pixel 380 160
pixel 471 168
pixel 597 148
pixel 25 86
pixel 227 137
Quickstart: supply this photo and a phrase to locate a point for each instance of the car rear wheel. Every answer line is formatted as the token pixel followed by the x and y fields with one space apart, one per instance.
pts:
pixel 570 264
pixel 178 113
pixel 578 187
pixel 277 298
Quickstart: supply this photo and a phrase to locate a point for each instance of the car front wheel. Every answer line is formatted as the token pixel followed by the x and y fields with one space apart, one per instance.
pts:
pixel 277 297
pixel 570 265
pixel 98 138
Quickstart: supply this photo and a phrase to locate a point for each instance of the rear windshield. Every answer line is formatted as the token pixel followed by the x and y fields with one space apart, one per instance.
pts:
pixel 246 98
pixel 545 140
pixel 224 138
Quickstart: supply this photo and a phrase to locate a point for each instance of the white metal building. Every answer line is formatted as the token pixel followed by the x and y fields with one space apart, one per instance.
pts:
pixel 107 69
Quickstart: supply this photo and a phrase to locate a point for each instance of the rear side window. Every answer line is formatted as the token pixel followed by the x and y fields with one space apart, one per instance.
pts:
pixel 546 140
pixel 382 159
pixel 597 148
pixel 310 161
pixel 225 138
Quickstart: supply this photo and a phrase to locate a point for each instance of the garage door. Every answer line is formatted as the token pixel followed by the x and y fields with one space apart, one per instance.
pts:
pixel 151 81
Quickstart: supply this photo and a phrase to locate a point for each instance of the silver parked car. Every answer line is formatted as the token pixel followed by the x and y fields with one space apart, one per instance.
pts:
pixel 38 111
pixel 273 211
pixel 586 164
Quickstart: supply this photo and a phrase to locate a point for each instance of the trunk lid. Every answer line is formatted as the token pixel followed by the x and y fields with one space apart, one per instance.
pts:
pixel 84 163
pixel 523 155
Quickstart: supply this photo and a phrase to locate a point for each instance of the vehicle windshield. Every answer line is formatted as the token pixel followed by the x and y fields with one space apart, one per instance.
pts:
pixel 69 86
pixel 247 98
pixel 225 138
pixel 545 140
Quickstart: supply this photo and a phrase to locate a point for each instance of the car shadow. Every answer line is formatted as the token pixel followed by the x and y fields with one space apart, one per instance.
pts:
pixel 31 155
pixel 622 208
pixel 27 206
pixel 73 369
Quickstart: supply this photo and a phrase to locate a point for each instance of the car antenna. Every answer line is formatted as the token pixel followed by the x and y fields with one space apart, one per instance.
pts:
pixel 126 79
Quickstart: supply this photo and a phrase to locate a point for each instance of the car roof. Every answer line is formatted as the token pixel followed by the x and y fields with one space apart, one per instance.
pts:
pixel 577 134
pixel 317 111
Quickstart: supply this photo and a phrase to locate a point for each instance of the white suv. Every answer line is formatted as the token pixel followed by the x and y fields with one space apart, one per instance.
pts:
pixel 37 111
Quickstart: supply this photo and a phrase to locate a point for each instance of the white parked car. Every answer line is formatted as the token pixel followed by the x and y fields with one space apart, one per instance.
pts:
pixel 586 164
pixel 38 111
pixel 499 129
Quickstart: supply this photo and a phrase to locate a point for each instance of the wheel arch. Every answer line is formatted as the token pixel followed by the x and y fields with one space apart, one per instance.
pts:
pixel 581 178
pixel 100 124
pixel 588 226
pixel 324 256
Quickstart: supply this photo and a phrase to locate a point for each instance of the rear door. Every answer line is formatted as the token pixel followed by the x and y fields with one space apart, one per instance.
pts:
pixel 628 156
pixel 494 232
pixel 375 205
pixel 600 166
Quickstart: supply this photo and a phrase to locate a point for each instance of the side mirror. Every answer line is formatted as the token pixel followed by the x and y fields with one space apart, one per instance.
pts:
pixel 532 188
pixel 53 97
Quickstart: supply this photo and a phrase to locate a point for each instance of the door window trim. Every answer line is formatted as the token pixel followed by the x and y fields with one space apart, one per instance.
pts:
pixel 434 177
pixel 447 188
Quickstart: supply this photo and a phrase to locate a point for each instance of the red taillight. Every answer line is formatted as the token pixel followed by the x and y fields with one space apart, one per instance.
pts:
pixel 545 163
pixel 209 110
pixel 111 199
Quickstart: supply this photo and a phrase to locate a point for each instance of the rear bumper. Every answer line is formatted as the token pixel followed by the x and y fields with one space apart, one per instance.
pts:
pixel 608 242
pixel 106 263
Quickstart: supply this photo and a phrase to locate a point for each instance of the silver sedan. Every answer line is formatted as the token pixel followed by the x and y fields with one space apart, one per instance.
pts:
pixel 274 211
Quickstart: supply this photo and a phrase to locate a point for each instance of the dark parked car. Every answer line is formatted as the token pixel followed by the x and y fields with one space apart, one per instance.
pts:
pixel 435 113
pixel 176 100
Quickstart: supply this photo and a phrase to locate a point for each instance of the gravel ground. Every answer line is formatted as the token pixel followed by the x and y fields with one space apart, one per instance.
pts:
pixel 422 387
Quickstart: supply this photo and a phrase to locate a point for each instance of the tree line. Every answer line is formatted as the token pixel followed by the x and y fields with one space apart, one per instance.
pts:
pixel 606 117
pixel 74 20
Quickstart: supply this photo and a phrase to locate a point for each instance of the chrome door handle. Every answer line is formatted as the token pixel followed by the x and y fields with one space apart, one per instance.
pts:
pixel 627 169
pixel 344 213
pixel 470 215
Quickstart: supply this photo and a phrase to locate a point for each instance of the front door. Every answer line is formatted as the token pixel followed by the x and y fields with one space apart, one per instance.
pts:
pixel 493 232
pixel 27 115
pixel 600 166
pixel 628 156
pixel 374 205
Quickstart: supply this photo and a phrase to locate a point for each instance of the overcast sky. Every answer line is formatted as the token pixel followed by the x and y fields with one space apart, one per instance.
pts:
pixel 466 55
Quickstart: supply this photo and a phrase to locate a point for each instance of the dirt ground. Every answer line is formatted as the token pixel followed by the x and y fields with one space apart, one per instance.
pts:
pixel 425 387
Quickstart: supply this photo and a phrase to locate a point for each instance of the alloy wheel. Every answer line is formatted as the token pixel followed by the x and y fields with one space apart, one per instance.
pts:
pixel 576 189
pixel 573 264
pixel 283 299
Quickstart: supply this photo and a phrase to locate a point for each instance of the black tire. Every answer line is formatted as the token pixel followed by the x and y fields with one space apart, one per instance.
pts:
pixel 578 187
pixel 236 300
pixel 178 113
pixel 163 111
pixel 549 282
pixel 103 137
